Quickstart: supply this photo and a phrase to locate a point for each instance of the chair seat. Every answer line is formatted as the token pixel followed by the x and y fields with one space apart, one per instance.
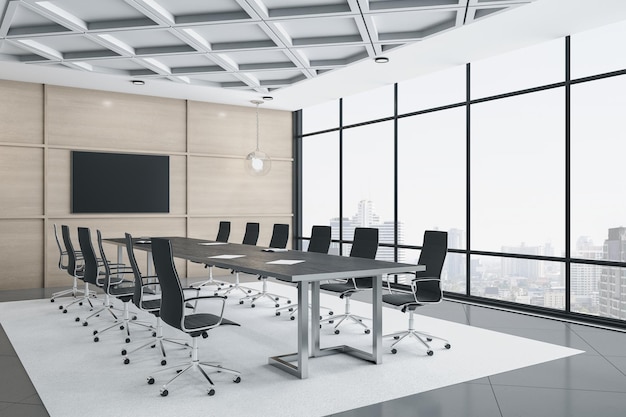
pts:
pixel 202 321
pixel 400 300
pixel 338 287
pixel 153 306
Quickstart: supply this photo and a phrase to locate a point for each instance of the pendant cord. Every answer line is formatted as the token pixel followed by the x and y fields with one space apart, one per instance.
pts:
pixel 257 127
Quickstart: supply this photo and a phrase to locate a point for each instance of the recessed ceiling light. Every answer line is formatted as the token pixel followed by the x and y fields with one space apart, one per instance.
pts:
pixel 138 82
pixel 268 98
pixel 381 60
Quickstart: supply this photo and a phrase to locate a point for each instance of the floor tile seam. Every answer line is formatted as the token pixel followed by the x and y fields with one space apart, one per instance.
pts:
pixel 590 344
pixel 495 384
pixel 495 397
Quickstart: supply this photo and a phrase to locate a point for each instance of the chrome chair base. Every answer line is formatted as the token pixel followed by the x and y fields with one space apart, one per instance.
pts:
pixel 195 364
pixel 159 340
pixel 422 337
pixel 340 318
pixel 234 287
pixel 124 324
pixel 293 309
pixel 263 294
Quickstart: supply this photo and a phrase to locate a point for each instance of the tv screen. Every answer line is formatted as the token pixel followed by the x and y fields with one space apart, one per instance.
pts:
pixel 119 183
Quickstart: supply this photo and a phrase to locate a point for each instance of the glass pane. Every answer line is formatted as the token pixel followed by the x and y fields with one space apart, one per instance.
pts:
pixel 368 179
pixel 432 90
pixel 371 105
pixel 320 180
pixel 320 117
pixel 523 68
pixel 584 280
pixel 598 202
pixel 518 174
pixel 612 297
pixel 524 281
pixel 452 274
pixel 431 174
pixel 595 51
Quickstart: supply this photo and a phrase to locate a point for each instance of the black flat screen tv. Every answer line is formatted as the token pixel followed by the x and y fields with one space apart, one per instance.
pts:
pixel 119 183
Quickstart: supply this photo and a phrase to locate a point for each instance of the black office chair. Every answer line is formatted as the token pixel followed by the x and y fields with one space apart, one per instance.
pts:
pixel 426 289
pixel 250 237
pixel 364 245
pixel 94 273
pixel 280 236
pixel 63 265
pixel 75 268
pixel 145 298
pixel 319 243
pixel 173 311
pixel 114 285
pixel 222 236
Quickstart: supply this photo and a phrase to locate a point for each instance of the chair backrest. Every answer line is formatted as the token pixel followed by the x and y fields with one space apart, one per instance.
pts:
pixel 364 245
pixel 72 265
pixel 135 267
pixel 172 300
pixel 320 239
pixel 62 252
pixel 90 259
pixel 223 232
pixel 280 236
pixel 433 255
pixel 251 236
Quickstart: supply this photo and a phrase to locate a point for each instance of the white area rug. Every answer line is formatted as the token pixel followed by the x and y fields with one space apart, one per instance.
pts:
pixel 74 376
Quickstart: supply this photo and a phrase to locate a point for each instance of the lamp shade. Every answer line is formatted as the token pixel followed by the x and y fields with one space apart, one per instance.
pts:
pixel 258 163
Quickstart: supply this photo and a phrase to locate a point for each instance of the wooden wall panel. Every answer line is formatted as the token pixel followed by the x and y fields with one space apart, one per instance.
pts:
pixel 231 130
pixel 100 119
pixel 21 112
pixel 21 187
pixel 21 248
pixel 220 186
pixel 110 228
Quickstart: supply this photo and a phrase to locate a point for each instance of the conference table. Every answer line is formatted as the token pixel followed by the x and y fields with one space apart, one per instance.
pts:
pixel 307 270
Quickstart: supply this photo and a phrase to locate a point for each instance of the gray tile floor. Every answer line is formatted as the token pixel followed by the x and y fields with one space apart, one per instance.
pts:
pixel 590 384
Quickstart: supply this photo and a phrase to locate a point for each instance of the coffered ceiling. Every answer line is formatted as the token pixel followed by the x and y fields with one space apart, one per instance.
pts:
pixel 251 47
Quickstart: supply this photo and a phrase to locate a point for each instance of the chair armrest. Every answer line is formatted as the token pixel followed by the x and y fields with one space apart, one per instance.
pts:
pixel 208 297
pixel 431 288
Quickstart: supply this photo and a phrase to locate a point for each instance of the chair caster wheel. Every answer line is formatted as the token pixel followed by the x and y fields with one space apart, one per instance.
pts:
pixel 121 327
pixel 290 309
pixel 237 380
pixel 331 321
pixel 277 299
pixel 95 332
pixel 127 340
pixel 80 304
pixel 252 305
pixel 337 331
pixel 429 339
pixel 367 331
pixel 276 305
pixel 278 313
pixel 96 339
pixel 396 337
pixel 288 301
pixel 64 311
pixel 124 352
pixel 210 393
pixel 240 301
pixel 293 318
pixel 430 353
pixel 60 307
pixel 85 323
pixel 447 346
pixel 150 381
pixel 163 362
pixel 330 313
pixel 152 347
pixel 164 393
pixel 126 361
pixel 249 291
pixel 52 300
pixel 77 319
pixel 394 351
pixel 153 334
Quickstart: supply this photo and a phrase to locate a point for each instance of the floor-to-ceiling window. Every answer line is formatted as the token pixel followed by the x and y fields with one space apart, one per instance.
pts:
pixel 516 156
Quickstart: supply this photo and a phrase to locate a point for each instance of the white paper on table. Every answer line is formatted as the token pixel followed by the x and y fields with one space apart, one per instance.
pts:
pixel 226 256
pixel 285 262
pixel 212 243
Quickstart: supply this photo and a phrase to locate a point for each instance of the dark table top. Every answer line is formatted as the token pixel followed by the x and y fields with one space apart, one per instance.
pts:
pixel 316 266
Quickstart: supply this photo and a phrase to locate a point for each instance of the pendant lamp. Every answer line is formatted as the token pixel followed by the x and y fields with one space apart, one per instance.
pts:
pixel 257 162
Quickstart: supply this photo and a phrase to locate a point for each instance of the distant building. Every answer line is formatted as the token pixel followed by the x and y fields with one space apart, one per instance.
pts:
pixel 612 285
